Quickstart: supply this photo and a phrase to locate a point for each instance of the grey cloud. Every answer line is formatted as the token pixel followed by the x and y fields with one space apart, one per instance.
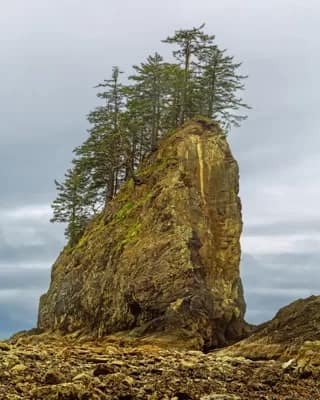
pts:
pixel 24 278
pixel 27 239
pixel 53 53
pixel 28 253
pixel 273 281
pixel 263 307
pixel 18 311
pixel 288 227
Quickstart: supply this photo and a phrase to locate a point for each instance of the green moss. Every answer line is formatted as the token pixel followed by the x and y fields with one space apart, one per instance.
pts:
pixel 130 184
pixel 97 225
pixel 124 211
pixel 68 249
pixel 82 241
pixel 126 190
pixel 152 169
pixel 133 231
pixel 171 131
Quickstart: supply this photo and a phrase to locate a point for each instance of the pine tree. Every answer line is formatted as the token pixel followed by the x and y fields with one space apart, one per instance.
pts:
pixel 148 90
pixel 173 81
pixel 219 87
pixel 113 96
pixel 103 150
pixel 71 205
pixel 160 96
pixel 190 42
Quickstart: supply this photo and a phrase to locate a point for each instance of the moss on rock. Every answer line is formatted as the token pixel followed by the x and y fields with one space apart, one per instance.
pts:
pixel 163 259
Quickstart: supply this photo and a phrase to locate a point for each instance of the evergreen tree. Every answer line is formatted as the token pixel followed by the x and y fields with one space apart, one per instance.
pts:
pixel 190 43
pixel 203 80
pixel 173 81
pixel 219 86
pixel 103 150
pixel 149 90
pixel 70 206
pixel 113 96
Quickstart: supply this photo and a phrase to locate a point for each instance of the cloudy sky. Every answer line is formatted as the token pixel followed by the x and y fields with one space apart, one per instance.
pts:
pixel 52 53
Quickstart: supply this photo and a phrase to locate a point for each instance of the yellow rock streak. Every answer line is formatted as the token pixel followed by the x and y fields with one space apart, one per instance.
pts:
pixel 201 167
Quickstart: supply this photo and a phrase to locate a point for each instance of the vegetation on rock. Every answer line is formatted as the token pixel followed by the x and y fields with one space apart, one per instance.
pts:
pixel 158 97
pixel 163 258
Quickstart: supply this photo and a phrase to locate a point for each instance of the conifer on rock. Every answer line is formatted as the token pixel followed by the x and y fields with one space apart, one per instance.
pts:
pixel 158 97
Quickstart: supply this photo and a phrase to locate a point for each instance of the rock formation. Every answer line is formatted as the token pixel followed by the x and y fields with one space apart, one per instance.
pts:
pixel 163 259
pixel 279 361
pixel 52 367
pixel 160 268
pixel 294 328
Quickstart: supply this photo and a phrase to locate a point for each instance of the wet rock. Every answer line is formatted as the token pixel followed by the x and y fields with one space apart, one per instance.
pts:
pixel 52 377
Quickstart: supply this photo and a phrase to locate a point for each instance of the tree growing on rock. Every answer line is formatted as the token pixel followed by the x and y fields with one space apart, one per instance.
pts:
pixel 190 42
pixel 159 96
pixel 72 204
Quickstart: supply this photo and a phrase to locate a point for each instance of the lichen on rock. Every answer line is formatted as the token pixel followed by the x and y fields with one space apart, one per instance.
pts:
pixel 163 258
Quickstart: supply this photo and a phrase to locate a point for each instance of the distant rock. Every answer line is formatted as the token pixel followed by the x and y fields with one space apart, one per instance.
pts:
pixel 294 329
pixel 163 259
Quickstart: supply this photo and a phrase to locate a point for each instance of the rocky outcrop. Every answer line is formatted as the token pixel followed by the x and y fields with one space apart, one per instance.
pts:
pixel 293 334
pixel 54 367
pixel 163 259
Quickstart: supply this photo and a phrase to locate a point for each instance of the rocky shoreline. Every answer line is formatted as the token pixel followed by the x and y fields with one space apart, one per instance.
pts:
pixel 63 368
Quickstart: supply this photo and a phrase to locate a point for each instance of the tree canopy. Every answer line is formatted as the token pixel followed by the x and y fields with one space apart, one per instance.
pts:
pixel 157 96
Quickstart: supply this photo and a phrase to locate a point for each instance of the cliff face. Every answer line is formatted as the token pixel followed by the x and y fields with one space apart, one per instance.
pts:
pixel 163 259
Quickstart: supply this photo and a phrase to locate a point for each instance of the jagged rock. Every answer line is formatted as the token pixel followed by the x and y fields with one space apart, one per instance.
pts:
pixel 285 335
pixel 146 373
pixel 308 360
pixel 163 259
pixel 52 377
pixel 4 346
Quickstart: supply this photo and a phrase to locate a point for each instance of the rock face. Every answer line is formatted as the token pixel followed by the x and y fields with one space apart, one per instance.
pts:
pixel 294 328
pixel 163 259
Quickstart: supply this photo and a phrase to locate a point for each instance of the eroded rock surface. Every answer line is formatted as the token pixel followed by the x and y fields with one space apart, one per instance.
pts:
pixel 61 368
pixel 163 259
pixel 293 334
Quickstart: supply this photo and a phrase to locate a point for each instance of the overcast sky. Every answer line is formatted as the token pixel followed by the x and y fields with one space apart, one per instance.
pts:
pixel 52 53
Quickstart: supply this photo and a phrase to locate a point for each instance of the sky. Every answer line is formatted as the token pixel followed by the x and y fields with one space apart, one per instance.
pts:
pixel 53 53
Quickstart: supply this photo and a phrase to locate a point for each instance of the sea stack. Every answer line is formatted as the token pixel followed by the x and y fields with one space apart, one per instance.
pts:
pixel 163 259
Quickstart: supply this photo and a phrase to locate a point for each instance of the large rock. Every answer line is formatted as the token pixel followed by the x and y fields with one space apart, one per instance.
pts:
pixel 163 259
pixel 286 335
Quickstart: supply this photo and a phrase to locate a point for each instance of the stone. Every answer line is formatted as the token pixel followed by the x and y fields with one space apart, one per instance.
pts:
pixel 52 377
pixel 82 377
pixel 146 374
pixel 286 336
pixel 163 259
pixel 4 346
pixel 103 369
pixel 187 364
pixel 18 368
pixel 308 360
pixel 216 396
pixel 289 365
